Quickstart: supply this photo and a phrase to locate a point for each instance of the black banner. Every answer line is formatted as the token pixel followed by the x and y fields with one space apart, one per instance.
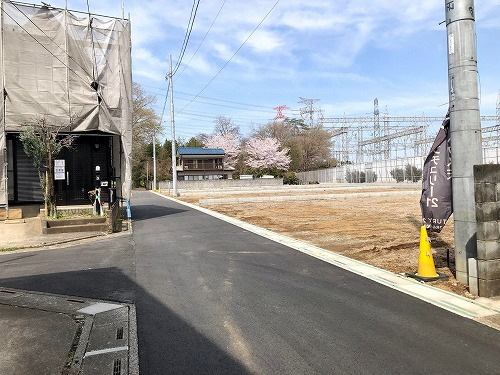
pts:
pixel 436 201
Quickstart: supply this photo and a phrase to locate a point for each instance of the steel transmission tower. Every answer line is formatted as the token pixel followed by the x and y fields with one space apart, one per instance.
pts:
pixel 376 130
pixel 279 112
pixel 498 109
pixel 353 138
pixel 308 111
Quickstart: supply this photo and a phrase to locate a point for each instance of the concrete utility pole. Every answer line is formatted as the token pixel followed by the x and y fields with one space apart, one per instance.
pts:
pixel 172 128
pixel 154 159
pixel 465 126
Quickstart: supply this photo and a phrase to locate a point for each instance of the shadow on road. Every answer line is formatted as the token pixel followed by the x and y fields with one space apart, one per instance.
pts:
pixel 167 344
pixel 149 211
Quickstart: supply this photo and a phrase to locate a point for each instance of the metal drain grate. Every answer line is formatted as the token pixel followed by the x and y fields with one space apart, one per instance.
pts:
pixel 117 367
pixel 119 333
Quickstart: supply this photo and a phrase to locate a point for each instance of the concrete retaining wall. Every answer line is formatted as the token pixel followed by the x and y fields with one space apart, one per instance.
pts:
pixel 220 184
pixel 487 196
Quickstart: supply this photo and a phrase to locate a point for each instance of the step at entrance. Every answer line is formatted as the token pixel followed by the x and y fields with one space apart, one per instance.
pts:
pixel 14 214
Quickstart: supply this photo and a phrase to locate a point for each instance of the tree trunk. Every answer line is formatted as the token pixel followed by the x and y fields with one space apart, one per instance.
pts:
pixel 46 195
pixel 51 196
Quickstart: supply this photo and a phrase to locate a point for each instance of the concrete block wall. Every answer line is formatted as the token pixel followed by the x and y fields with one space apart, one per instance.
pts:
pixel 221 184
pixel 487 196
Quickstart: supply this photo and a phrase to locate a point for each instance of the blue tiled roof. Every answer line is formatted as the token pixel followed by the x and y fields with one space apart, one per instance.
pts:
pixel 200 151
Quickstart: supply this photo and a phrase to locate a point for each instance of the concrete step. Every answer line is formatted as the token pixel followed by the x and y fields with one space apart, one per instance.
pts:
pixel 75 225
pixel 75 221
pixel 14 214
pixel 76 228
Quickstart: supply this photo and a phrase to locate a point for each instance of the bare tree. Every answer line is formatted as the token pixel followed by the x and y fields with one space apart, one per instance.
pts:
pixel 145 122
pixel 225 126
pixel 315 144
pixel 42 142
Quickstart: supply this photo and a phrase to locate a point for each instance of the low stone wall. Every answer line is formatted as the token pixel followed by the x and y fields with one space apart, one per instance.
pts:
pixel 485 270
pixel 220 184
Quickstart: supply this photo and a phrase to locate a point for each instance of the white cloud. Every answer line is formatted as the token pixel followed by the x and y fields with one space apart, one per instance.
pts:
pixel 264 41
pixel 344 52
pixel 199 65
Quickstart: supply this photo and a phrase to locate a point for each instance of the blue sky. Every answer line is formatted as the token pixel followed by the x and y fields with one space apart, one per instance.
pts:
pixel 344 53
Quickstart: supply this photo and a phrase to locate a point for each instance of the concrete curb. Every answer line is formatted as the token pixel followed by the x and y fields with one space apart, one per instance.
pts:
pixel 485 313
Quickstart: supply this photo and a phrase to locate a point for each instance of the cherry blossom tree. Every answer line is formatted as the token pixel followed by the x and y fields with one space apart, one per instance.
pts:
pixel 229 143
pixel 266 153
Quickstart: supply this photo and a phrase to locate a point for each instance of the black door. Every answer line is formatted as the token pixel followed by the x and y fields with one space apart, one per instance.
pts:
pixel 80 174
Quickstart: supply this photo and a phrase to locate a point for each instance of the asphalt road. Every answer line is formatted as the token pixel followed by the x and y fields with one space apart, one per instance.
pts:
pixel 212 298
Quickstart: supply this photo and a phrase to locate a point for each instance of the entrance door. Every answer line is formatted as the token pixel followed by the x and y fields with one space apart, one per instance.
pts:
pixel 81 160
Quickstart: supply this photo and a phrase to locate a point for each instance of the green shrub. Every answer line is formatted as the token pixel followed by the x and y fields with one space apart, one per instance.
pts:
pixel 290 178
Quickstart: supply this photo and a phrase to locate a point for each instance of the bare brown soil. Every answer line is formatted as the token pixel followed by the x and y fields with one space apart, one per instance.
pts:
pixel 382 231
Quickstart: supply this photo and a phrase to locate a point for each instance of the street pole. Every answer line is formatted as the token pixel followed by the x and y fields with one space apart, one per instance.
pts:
pixel 172 129
pixel 465 127
pixel 154 159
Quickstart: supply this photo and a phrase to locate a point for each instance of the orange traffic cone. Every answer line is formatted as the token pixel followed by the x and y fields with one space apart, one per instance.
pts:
pixel 426 270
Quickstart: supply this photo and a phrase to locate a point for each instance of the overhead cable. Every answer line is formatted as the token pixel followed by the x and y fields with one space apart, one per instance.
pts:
pixel 199 45
pixel 208 98
pixel 194 10
pixel 164 106
pixel 234 54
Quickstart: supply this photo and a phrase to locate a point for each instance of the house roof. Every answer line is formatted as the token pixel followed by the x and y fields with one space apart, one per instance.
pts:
pixel 200 151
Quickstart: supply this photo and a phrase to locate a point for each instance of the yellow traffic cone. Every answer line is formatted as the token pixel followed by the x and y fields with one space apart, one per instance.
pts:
pixel 426 270
pixel 425 260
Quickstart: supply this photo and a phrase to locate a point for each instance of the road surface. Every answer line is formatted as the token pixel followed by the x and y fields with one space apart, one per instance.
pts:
pixel 213 298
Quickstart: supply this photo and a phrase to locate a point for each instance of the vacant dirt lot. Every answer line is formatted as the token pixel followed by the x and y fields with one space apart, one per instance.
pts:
pixel 379 230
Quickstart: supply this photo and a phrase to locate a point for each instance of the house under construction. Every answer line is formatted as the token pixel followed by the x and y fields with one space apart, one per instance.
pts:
pixel 73 70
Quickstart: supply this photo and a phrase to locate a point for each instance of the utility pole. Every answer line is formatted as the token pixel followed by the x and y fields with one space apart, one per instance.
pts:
pixel 465 127
pixel 172 129
pixel 154 159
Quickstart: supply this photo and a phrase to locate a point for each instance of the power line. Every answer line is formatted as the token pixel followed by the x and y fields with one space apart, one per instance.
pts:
pixel 199 45
pixel 192 17
pixel 208 98
pixel 227 101
pixel 164 106
pixel 239 48
pixel 194 10
pixel 224 105
pixel 204 114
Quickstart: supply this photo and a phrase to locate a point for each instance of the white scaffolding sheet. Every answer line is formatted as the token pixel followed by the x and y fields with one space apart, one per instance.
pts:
pixel 73 71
